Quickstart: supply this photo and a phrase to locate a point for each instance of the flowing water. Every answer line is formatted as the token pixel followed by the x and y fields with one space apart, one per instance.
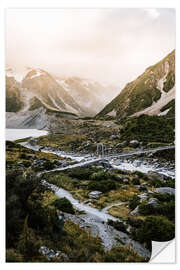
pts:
pixel 93 220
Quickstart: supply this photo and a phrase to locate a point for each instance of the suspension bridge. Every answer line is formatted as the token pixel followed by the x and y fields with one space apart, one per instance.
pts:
pixel 100 157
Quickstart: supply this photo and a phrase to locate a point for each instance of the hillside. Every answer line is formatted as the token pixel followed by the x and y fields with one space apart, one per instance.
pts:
pixel 13 100
pixel 148 94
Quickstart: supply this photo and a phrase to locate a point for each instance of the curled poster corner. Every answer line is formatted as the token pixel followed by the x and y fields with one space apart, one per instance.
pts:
pixel 163 252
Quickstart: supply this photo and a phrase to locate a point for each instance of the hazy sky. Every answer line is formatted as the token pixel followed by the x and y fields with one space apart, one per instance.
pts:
pixel 108 45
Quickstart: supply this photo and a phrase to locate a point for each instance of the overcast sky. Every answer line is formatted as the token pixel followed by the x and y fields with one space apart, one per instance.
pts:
pixel 108 45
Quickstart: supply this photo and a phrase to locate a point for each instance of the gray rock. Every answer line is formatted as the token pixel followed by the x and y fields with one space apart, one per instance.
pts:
pixel 154 175
pixel 137 163
pixel 164 190
pixel 153 202
pixel 49 253
pixel 114 137
pixel 95 194
pixel 134 143
pixel 123 144
pixel 135 211
pixel 143 196
pixel 126 181
pixel 124 187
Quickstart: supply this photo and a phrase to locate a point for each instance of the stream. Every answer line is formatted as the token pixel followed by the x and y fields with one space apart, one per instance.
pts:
pixel 95 220
pixel 116 163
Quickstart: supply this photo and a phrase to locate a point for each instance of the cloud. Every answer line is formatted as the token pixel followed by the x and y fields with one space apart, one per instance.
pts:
pixel 153 13
pixel 108 45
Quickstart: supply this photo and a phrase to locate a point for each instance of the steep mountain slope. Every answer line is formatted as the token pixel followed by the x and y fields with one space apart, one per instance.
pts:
pixel 85 92
pixel 45 88
pixel 89 94
pixel 148 94
pixel 13 95
pixel 38 88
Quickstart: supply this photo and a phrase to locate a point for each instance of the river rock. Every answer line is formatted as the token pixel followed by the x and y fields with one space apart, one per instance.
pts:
pixel 94 194
pixel 164 190
pixel 134 143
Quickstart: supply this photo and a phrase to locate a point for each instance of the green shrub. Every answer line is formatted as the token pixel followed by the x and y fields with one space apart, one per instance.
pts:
pixel 134 222
pixel 118 225
pixel 135 181
pixel 134 202
pixel 164 197
pixel 97 176
pixel 80 173
pixel 158 183
pixel 122 254
pixel 12 255
pixel 141 175
pixel 166 209
pixel 103 186
pixel 64 205
pixel 149 129
pixel 156 229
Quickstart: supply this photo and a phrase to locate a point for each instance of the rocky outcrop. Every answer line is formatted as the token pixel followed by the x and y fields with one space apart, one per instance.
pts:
pixel 52 254
pixel 134 143
pixel 155 175
pixel 164 190
pixel 95 194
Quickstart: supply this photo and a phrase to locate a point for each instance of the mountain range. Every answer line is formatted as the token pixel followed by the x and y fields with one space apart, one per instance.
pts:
pixel 35 97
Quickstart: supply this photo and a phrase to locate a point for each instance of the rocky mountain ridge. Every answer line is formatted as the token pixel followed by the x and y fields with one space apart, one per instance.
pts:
pixel 148 94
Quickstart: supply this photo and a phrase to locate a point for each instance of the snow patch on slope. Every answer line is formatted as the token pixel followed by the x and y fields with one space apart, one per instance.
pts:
pixel 38 73
pixel 165 98
pixel 155 108
pixel 164 113
pixel 18 76
pixel 112 113
pixel 63 84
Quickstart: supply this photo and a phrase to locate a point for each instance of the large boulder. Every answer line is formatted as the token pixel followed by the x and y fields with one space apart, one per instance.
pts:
pixel 154 175
pixel 94 194
pixel 134 143
pixel 163 190
pixel 153 202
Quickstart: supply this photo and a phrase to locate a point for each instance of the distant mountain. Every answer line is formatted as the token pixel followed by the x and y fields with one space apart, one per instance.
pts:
pixel 48 92
pixel 152 93
pixel 38 88
pixel 38 99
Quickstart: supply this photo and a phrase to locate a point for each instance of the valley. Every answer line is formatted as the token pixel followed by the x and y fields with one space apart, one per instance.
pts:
pixel 88 180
